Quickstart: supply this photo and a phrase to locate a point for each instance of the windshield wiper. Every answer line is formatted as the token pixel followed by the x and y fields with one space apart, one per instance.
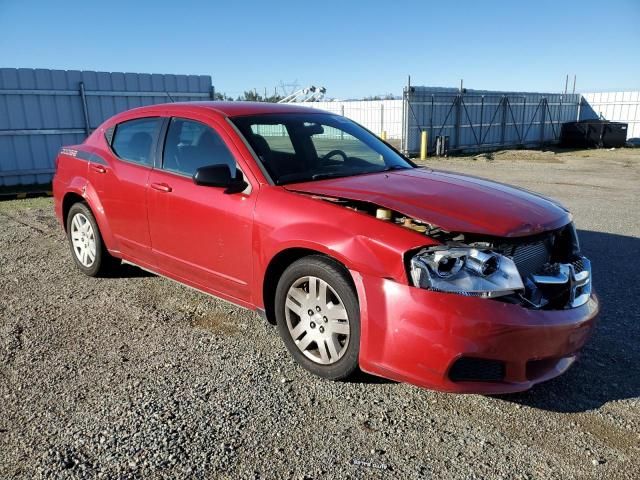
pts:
pixel 299 177
pixel 305 177
pixel 325 175
pixel 321 176
pixel 394 167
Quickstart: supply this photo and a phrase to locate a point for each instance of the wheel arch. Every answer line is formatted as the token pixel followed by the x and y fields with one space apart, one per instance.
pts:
pixel 69 199
pixel 87 195
pixel 279 263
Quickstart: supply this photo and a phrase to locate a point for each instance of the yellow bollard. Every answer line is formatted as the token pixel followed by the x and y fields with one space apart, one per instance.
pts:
pixel 384 135
pixel 423 145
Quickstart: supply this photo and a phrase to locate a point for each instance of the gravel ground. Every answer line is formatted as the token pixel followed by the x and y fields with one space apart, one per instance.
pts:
pixel 139 377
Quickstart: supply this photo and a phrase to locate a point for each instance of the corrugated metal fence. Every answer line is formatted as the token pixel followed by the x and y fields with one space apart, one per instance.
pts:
pixel 41 110
pixel 614 106
pixel 477 120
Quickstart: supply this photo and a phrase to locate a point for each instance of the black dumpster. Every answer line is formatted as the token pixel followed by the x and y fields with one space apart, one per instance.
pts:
pixel 593 133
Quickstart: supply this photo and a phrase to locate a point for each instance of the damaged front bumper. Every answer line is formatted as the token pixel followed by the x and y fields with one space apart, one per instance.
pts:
pixel 466 344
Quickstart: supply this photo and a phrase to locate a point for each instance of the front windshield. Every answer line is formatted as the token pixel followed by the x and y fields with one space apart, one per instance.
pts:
pixel 302 147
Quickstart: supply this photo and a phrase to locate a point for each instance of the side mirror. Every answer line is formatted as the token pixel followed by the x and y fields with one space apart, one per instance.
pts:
pixel 220 176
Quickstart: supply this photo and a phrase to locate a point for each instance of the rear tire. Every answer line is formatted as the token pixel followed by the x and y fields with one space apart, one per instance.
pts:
pixel 318 317
pixel 87 248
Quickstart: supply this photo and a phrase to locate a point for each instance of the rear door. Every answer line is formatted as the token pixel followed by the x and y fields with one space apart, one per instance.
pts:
pixel 122 184
pixel 200 234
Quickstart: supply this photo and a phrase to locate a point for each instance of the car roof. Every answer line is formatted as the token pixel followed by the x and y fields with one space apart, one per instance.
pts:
pixel 229 109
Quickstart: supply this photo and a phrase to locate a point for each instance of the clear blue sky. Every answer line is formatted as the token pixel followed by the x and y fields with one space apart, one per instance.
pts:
pixel 353 48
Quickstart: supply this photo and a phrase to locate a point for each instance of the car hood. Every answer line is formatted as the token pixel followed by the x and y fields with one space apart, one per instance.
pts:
pixel 451 201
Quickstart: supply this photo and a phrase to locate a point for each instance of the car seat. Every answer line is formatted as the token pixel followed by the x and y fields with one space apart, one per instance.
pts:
pixel 139 147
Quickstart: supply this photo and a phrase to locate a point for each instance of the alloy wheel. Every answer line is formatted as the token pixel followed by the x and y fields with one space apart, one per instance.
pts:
pixel 317 320
pixel 83 240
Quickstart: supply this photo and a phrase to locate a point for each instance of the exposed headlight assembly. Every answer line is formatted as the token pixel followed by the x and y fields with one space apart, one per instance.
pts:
pixel 465 271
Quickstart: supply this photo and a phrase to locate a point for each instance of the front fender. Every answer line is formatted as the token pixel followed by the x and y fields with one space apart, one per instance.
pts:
pixel 362 243
pixel 355 251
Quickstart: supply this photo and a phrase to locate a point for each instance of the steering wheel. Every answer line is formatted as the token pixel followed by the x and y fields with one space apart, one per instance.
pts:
pixel 335 152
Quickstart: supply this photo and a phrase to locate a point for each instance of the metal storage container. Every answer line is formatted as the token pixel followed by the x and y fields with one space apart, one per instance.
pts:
pixel 593 133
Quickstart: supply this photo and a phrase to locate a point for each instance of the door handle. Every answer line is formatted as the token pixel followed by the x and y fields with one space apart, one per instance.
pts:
pixel 162 187
pixel 98 168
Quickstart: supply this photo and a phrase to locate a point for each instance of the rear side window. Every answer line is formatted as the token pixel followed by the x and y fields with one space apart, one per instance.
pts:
pixel 190 145
pixel 132 140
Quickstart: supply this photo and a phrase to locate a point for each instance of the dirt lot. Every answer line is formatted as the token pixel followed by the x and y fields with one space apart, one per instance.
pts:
pixel 139 377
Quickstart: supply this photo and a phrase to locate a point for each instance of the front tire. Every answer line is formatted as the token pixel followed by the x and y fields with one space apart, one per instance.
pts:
pixel 318 317
pixel 87 248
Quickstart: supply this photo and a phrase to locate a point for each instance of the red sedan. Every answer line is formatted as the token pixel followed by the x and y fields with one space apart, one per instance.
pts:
pixel 360 257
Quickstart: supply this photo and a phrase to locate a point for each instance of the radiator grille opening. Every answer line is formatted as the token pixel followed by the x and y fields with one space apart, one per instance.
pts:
pixel 531 258
pixel 531 255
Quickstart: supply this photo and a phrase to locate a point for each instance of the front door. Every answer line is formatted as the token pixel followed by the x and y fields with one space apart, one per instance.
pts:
pixel 200 234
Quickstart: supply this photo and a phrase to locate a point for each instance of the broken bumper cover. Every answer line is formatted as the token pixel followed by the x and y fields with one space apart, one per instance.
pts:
pixel 419 336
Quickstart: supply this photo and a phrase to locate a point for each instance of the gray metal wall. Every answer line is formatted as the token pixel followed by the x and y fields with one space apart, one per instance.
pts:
pixel 482 120
pixel 41 110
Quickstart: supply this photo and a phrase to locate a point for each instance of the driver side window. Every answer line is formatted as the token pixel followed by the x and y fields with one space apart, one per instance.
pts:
pixel 190 145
